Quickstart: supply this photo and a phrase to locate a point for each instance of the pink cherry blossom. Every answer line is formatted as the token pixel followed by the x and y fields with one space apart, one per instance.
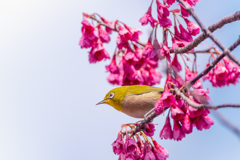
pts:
pixel 169 2
pixel 129 145
pixel 130 57
pixel 184 12
pixel 175 64
pixel 89 35
pixel 193 28
pixel 165 52
pixel 185 35
pixel 113 78
pixel 165 22
pixel 98 53
pixel 162 10
pixel 163 13
pixel 122 42
pixel 166 131
pixel 231 66
pixel 178 134
pixel 221 71
pixel 134 31
pixel 159 107
pixel 193 2
pixel 124 33
pixel 147 50
pixel 130 157
pixel 147 18
pixel 167 98
pixel 201 95
pixel 187 124
pixel 118 145
pixel 103 35
pixel 112 67
pixel 177 113
pixel 161 150
pixel 111 24
pixel 189 75
pixel 149 154
pixel 208 121
pixel 156 49
pixel 149 129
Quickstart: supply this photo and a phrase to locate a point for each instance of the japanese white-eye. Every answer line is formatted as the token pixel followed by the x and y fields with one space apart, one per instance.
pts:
pixel 135 100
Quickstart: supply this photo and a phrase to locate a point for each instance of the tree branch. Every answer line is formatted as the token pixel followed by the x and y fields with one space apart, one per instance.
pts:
pixel 227 123
pixel 114 29
pixel 209 33
pixel 201 106
pixel 206 70
pixel 225 20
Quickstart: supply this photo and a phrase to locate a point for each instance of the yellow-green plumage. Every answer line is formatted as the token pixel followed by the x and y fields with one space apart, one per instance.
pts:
pixel 135 100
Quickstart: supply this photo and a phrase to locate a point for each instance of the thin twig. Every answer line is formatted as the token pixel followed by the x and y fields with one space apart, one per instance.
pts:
pixel 141 125
pixel 225 20
pixel 209 33
pixel 201 106
pixel 114 29
pixel 206 70
pixel 227 123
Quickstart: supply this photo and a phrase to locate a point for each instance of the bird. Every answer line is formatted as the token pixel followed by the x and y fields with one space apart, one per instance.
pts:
pixel 135 100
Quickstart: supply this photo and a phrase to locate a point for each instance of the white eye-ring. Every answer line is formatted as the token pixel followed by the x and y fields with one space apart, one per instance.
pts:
pixel 111 95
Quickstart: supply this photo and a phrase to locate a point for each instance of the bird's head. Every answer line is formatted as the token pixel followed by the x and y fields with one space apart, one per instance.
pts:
pixel 115 98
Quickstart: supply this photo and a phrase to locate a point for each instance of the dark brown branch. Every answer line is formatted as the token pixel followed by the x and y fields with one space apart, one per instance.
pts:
pixel 201 106
pixel 209 33
pixel 141 125
pixel 114 29
pixel 206 70
pixel 225 20
pixel 227 123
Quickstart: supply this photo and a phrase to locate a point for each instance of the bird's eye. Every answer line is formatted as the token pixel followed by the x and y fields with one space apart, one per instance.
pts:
pixel 111 95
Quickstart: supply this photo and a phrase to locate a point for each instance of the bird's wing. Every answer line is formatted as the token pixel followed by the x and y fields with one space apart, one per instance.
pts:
pixel 141 89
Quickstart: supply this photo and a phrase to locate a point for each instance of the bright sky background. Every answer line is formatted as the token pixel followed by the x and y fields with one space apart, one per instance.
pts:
pixel 48 89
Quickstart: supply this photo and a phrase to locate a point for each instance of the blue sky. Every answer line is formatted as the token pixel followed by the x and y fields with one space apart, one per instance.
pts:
pixel 48 89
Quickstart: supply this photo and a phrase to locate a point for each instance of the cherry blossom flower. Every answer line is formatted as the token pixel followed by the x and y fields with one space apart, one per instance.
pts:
pixel 184 12
pixel 89 35
pixel 166 131
pixel 118 145
pixel 167 98
pixel 187 124
pixel 98 53
pixel 147 18
pixel 163 13
pixel 134 31
pixel 111 24
pixel 165 52
pixel 178 134
pixel 149 154
pixel 113 78
pixel 149 129
pixel 112 67
pixel 175 64
pixel 193 28
pixel 193 2
pixel 159 107
pixel 103 35
pixel 169 2
pixel 177 113
pixel 162 153
pixel 129 145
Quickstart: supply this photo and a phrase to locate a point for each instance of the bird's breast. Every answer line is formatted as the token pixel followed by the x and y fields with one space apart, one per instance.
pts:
pixel 138 105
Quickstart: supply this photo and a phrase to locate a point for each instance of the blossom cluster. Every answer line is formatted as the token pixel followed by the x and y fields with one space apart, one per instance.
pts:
pixel 184 116
pixel 224 73
pixel 137 148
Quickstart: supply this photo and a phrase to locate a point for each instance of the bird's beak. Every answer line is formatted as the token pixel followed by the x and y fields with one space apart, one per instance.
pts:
pixel 101 102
